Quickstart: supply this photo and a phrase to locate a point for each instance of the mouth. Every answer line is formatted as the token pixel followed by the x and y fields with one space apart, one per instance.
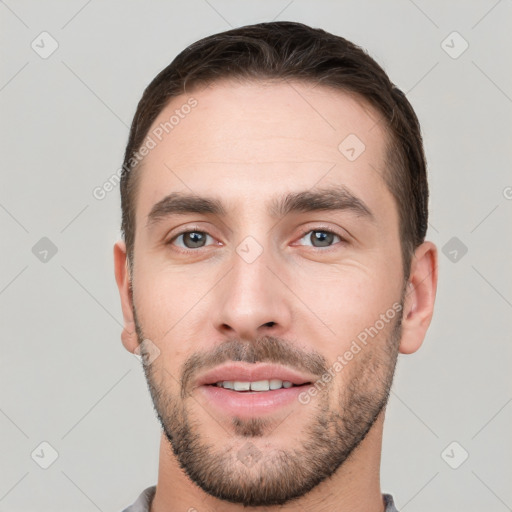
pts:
pixel 258 386
pixel 257 377
pixel 249 390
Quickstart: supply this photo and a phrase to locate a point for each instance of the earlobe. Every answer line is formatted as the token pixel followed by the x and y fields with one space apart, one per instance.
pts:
pixel 419 298
pixel 128 335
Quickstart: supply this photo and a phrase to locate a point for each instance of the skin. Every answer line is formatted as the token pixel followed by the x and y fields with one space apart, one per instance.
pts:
pixel 245 144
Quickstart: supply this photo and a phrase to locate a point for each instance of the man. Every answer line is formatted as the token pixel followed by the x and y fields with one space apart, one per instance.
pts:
pixel 274 264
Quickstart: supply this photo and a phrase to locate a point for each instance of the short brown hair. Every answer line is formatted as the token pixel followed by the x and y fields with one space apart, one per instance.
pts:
pixel 293 51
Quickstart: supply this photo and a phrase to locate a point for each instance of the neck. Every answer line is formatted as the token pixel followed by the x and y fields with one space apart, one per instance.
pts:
pixel 355 486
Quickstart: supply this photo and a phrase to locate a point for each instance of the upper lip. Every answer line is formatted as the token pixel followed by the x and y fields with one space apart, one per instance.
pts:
pixel 252 372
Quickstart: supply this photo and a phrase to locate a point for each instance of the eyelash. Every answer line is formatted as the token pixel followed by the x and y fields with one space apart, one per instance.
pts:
pixel 196 229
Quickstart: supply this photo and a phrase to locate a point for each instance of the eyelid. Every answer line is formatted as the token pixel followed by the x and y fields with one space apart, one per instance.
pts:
pixel 327 229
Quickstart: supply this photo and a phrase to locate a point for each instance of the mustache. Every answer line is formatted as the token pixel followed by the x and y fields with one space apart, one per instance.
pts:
pixel 269 349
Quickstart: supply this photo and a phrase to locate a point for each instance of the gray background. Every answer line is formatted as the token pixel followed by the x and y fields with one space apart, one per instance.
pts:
pixel 65 377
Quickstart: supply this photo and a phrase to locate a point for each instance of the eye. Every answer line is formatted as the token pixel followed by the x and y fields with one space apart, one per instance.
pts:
pixel 320 238
pixel 190 239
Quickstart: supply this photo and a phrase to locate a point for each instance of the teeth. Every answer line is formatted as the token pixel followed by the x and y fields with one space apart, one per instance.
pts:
pixel 259 385
pixel 241 386
pixel 276 384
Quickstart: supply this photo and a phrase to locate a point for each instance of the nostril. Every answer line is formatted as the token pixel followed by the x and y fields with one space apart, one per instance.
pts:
pixel 269 324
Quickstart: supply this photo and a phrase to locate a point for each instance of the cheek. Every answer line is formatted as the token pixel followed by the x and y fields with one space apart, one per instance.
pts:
pixel 363 365
pixel 166 296
pixel 346 302
pixel 172 309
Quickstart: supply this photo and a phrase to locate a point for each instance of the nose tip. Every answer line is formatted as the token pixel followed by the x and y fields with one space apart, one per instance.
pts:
pixel 251 302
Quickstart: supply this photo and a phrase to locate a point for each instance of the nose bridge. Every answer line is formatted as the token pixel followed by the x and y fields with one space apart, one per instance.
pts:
pixel 251 299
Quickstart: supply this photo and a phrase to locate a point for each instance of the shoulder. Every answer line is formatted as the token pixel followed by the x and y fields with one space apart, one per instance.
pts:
pixel 143 501
pixel 390 504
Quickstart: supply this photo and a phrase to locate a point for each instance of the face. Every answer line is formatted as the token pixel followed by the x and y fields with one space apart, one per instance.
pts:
pixel 267 255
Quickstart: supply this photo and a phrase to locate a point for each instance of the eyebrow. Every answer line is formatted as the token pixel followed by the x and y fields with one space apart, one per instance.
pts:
pixel 334 198
pixel 323 199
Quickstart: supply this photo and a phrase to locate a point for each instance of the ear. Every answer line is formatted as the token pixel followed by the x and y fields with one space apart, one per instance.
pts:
pixel 419 297
pixel 129 335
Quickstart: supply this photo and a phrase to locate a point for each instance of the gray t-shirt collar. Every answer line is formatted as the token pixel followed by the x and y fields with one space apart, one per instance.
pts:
pixel 146 497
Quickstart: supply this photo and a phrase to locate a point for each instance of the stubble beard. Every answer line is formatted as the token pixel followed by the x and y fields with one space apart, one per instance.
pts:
pixel 242 473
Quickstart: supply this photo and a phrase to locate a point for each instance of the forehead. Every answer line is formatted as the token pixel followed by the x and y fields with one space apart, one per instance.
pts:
pixel 246 141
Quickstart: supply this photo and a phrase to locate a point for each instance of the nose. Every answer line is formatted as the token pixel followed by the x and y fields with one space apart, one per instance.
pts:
pixel 251 301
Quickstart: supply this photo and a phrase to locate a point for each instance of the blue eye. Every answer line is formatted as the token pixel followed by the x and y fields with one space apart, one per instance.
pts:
pixel 322 237
pixel 192 239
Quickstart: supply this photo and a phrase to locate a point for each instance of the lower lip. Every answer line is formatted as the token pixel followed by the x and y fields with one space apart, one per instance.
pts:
pixel 251 403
